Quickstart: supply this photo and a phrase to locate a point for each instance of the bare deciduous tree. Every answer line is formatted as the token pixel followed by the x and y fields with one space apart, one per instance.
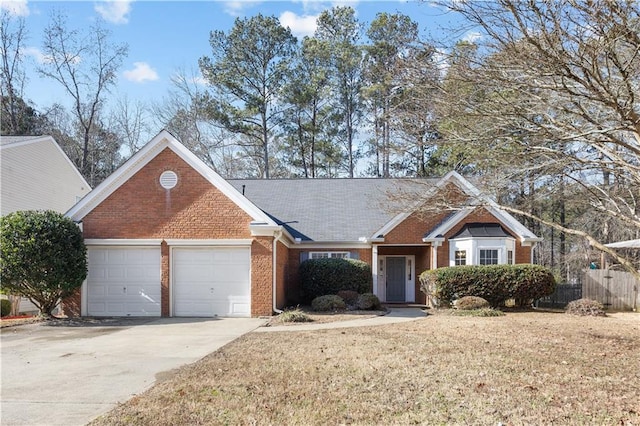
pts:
pixel 12 37
pixel 85 65
pixel 129 120
pixel 556 104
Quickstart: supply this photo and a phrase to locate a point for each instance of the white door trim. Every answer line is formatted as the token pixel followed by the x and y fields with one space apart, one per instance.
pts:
pixel 410 277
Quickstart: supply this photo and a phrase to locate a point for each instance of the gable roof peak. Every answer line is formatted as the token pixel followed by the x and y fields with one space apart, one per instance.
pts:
pixel 163 140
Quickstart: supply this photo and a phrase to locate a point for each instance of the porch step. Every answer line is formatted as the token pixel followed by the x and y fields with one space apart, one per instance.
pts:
pixel 404 305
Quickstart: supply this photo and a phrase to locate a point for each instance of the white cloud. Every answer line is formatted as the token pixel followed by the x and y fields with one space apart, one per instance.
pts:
pixel 114 11
pixel 352 3
pixel 141 72
pixel 237 8
pixel 15 7
pixel 300 25
pixel 472 36
pixel 37 54
pixel 200 80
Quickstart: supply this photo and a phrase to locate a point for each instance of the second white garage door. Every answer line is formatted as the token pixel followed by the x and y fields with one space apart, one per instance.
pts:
pixel 211 281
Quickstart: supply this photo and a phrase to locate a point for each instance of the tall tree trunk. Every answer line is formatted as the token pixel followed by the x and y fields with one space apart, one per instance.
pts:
pixel 265 146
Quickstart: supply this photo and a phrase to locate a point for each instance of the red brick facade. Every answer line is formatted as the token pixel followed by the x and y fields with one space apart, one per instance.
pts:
pixel 196 209
pixel 141 208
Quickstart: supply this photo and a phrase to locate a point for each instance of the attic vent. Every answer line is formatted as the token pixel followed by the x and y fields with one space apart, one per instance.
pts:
pixel 168 179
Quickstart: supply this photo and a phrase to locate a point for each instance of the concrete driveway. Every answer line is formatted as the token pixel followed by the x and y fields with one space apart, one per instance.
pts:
pixel 69 373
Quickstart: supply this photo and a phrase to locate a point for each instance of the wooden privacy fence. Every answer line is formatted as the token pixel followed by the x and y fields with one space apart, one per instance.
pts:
pixel 616 290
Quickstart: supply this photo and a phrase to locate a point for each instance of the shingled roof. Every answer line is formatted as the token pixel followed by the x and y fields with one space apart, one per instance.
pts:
pixel 331 209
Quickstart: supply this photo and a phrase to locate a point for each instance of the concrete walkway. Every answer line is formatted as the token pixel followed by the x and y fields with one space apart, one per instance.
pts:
pixel 395 315
pixel 68 375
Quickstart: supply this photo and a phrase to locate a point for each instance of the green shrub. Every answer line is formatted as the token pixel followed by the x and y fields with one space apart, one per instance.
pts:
pixel 494 283
pixel 294 315
pixel 5 307
pixel 329 302
pixel 42 257
pixel 484 312
pixel 319 277
pixel 468 303
pixel 368 302
pixel 350 297
pixel 585 307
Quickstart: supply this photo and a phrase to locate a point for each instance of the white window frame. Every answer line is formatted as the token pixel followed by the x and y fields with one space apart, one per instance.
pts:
pixel 474 245
pixel 493 249
pixel 329 255
pixel 456 259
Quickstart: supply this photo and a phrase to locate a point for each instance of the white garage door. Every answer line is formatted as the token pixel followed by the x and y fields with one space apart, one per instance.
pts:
pixel 123 281
pixel 211 281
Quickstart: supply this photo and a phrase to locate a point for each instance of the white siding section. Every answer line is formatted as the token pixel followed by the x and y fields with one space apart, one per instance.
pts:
pixel 36 175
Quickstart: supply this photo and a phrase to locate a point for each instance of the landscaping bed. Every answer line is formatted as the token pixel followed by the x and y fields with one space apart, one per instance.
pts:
pixel 326 317
pixel 11 321
pixel 523 368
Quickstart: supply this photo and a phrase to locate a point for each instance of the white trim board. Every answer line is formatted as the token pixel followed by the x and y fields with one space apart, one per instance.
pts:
pixel 122 242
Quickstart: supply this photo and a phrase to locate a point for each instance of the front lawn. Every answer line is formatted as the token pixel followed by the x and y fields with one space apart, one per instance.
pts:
pixel 523 368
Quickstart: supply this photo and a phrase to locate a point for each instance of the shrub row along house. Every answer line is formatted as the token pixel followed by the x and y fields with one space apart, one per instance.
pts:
pixel 167 236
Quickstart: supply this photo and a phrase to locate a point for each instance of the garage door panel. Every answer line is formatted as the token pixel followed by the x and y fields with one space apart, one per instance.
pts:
pixel 211 281
pixel 124 281
pixel 115 308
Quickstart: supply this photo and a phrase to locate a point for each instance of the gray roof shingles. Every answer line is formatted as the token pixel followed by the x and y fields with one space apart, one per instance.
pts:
pixel 330 210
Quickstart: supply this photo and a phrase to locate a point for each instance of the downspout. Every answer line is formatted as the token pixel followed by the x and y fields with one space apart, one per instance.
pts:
pixel 276 237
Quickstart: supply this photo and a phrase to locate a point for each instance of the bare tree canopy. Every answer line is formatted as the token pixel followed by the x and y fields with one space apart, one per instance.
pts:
pixel 17 116
pixel 85 65
pixel 552 101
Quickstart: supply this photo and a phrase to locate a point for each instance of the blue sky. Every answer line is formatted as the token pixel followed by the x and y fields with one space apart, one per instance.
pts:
pixel 167 36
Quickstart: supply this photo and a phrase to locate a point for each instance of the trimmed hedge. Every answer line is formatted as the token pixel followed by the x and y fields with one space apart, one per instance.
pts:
pixel 494 283
pixel 327 303
pixel 350 297
pixel 5 306
pixel 368 302
pixel 468 303
pixel 319 277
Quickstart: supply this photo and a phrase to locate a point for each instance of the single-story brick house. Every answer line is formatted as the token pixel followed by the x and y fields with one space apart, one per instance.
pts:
pixel 167 236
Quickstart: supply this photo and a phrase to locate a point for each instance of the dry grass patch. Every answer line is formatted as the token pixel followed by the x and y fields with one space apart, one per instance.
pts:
pixel 525 368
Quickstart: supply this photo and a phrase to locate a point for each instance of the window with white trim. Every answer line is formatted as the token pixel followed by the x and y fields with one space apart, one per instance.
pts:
pixel 460 257
pixel 488 257
pixel 510 257
pixel 329 255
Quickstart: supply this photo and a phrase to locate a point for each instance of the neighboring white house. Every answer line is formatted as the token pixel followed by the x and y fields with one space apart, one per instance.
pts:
pixel 35 174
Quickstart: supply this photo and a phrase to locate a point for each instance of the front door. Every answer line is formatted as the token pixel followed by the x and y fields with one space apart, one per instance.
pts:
pixel 396 284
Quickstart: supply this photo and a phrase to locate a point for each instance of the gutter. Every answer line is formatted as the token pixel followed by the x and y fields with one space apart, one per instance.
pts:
pixel 277 235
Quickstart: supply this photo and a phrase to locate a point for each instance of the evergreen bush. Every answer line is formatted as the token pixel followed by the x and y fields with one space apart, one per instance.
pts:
pixel 5 307
pixel 320 277
pixel 494 283
pixel 329 302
